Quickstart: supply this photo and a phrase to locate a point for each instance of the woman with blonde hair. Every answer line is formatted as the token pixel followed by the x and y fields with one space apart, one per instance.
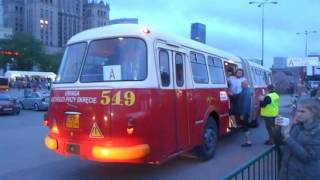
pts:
pixel 301 140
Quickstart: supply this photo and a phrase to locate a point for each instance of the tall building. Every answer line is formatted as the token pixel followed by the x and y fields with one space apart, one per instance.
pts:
pixel 53 22
pixel 70 19
pixel 1 13
pixel 198 32
pixel 40 21
pixel 95 14
pixel 279 62
pixel 13 15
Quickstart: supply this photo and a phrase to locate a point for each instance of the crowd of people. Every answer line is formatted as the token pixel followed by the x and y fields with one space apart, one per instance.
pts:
pixel 30 82
pixel 241 98
pixel 299 140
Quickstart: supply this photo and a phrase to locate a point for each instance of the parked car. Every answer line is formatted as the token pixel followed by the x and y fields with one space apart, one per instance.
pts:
pixel 9 105
pixel 36 101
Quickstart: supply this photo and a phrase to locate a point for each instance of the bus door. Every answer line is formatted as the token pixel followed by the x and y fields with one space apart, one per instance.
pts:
pixel 173 81
pixel 180 99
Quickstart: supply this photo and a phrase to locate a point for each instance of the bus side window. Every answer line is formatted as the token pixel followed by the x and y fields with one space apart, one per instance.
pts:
pixel 253 76
pixel 260 77
pixel 257 76
pixel 216 70
pixel 199 68
pixel 179 70
pixel 164 68
pixel 265 78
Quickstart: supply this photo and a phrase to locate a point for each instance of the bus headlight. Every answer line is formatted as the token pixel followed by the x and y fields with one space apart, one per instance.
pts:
pixel 51 143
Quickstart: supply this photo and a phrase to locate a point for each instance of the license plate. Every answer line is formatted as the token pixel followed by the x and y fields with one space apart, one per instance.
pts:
pixel 7 109
pixel 73 148
pixel 73 121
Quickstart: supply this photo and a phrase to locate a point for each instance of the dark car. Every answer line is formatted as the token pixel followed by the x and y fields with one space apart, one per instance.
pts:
pixel 8 104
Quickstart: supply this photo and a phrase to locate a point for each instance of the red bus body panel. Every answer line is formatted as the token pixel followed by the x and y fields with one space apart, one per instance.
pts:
pixel 166 120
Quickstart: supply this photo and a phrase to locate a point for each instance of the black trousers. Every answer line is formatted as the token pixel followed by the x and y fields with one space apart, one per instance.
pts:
pixel 270 126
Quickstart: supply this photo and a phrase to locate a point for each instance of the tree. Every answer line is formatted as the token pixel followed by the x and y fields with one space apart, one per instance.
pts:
pixel 30 48
pixel 50 62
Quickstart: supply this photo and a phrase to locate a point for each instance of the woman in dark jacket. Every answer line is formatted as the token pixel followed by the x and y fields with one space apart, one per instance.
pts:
pixel 301 140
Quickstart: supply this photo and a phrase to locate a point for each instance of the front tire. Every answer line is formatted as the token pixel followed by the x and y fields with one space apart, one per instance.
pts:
pixel 207 150
pixel 36 107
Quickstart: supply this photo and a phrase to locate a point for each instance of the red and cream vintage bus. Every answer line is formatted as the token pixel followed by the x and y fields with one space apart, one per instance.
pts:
pixel 125 93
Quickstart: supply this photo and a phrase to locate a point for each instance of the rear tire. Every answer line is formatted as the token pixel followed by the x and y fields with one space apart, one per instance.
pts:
pixel 207 150
pixel 17 112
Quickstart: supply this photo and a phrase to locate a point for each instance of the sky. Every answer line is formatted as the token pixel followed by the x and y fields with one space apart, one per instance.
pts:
pixel 233 25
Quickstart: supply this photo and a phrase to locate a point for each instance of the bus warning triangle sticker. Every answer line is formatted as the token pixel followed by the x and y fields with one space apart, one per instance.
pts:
pixel 95 131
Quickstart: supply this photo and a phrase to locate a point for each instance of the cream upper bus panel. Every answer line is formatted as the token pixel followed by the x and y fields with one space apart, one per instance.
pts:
pixel 133 30
pixel 102 34
pixel 119 30
pixel 137 30
pixel 253 64
pixel 260 74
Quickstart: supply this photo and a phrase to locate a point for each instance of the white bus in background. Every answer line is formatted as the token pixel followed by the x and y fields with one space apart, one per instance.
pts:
pixel 12 75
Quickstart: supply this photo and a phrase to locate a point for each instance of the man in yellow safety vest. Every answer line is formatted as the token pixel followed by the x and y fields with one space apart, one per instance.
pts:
pixel 269 105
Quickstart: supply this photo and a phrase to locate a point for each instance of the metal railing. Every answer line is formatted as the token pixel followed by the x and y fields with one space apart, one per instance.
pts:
pixel 264 166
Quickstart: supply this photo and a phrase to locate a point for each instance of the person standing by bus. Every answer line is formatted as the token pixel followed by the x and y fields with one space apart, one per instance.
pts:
pixel 244 111
pixel 269 110
pixel 235 90
pixel 301 143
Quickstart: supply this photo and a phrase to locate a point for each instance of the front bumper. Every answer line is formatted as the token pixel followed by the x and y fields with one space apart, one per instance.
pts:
pixel 92 150
pixel 8 110
pixel 43 106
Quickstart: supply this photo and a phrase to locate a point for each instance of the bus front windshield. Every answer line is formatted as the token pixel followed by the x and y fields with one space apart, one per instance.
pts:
pixel 116 59
pixel 71 63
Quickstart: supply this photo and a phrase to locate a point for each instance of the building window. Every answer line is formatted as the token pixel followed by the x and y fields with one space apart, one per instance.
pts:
pixel 41 13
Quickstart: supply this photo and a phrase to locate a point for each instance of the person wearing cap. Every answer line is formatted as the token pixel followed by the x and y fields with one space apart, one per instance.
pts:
pixel 269 110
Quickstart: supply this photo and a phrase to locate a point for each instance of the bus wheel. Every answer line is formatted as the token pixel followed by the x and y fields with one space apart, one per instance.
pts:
pixel 207 150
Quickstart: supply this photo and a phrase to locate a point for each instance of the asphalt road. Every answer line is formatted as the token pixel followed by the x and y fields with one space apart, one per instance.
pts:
pixel 24 156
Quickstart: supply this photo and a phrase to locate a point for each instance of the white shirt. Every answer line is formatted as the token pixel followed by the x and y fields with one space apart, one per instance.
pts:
pixel 235 84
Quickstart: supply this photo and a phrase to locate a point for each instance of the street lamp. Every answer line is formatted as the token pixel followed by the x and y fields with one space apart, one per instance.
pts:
pixel 261 4
pixel 306 33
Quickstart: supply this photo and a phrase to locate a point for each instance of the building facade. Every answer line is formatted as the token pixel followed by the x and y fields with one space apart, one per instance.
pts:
pixel 279 62
pixel 53 22
pixel 95 14
pixel 1 13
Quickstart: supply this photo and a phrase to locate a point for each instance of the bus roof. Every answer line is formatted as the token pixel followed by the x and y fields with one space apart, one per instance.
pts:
pixel 253 64
pixel 117 30
pixel 29 73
